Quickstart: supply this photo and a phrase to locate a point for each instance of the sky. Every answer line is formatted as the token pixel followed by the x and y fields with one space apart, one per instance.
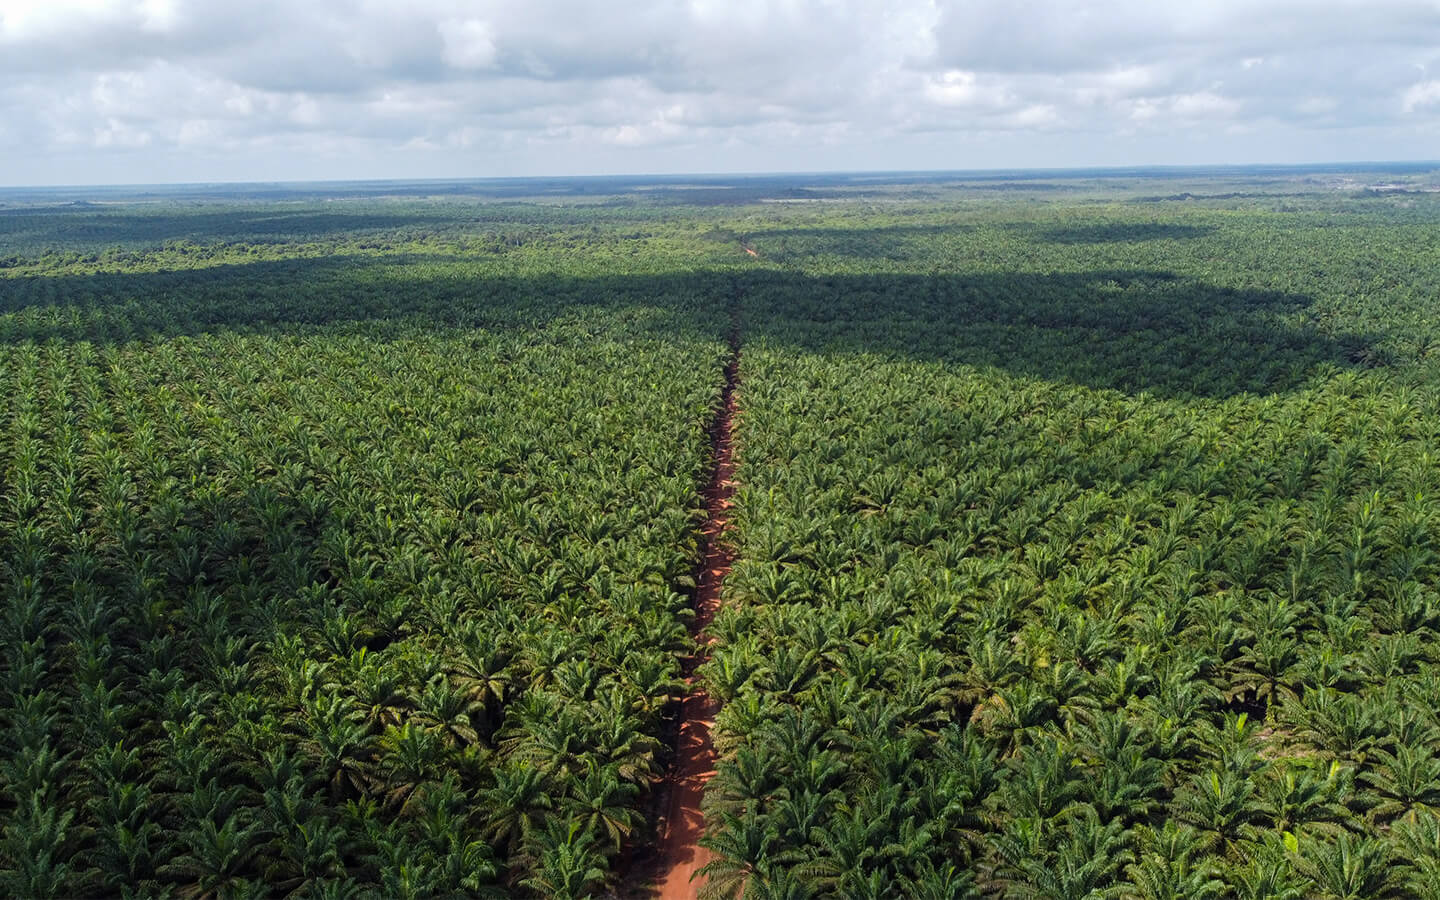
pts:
pixel 154 91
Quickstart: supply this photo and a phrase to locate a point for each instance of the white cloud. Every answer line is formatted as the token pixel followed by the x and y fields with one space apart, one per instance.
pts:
pixel 474 86
pixel 118 133
pixel 959 88
pixel 469 43
pixel 1420 96
pixel 1203 105
pixel 1038 115
pixel 1318 106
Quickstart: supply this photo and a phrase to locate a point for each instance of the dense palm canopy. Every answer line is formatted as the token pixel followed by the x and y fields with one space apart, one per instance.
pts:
pixel 361 571
pixel 1111 577
pixel 1086 546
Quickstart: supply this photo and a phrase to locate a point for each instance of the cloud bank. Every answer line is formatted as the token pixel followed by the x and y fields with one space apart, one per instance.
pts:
pixel 165 90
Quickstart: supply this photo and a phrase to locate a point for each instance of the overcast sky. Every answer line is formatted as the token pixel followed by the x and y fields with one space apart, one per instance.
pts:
pixel 131 91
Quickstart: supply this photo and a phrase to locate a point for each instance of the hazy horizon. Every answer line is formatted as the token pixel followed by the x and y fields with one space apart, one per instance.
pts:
pixel 1378 166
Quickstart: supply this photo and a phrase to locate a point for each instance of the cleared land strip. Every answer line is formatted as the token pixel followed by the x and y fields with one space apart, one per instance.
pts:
pixel 678 852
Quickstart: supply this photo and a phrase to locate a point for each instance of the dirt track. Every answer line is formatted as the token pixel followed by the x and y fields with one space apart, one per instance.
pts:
pixel 678 855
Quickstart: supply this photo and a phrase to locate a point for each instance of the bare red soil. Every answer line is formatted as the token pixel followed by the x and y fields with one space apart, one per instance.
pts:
pixel 671 873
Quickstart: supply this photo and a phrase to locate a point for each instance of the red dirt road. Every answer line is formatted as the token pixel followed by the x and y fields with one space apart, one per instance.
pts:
pixel 671 874
pixel 680 856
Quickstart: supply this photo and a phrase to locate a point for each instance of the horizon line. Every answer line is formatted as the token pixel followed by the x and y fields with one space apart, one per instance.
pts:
pixel 1110 170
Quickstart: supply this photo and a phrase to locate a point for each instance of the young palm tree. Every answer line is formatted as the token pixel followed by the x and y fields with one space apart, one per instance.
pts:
pixel 567 865
pixel 740 845
pixel 1082 861
pixel 1418 836
pixel 1221 803
pixel 1349 867
pixel 450 711
pixel 341 748
pixel 602 803
pixel 1296 795
pixel 409 757
pixel 33 848
pixel 516 805
pixel 215 858
pixel 1171 864
pixel 1267 875
pixel 942 881
pixel 1402 780
pixel 403 871
pixel 126 834
pixel 742 781
pixel 379 691
pixel 1343 724
pixel 1262 670
pixel 1044 781
pixel 846 845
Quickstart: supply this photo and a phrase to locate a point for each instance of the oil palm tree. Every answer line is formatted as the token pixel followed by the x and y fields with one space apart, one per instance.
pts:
pixel 516 805
pixel 1349 867
pixel 567 864
pixel 603 804
pixel 1171 864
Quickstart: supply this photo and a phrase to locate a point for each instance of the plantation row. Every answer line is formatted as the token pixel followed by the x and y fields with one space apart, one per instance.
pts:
pixel 336 606
pixel 1072 585
pixel 989 635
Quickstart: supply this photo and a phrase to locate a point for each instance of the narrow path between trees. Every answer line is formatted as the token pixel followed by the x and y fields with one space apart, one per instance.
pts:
pixel 678 854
